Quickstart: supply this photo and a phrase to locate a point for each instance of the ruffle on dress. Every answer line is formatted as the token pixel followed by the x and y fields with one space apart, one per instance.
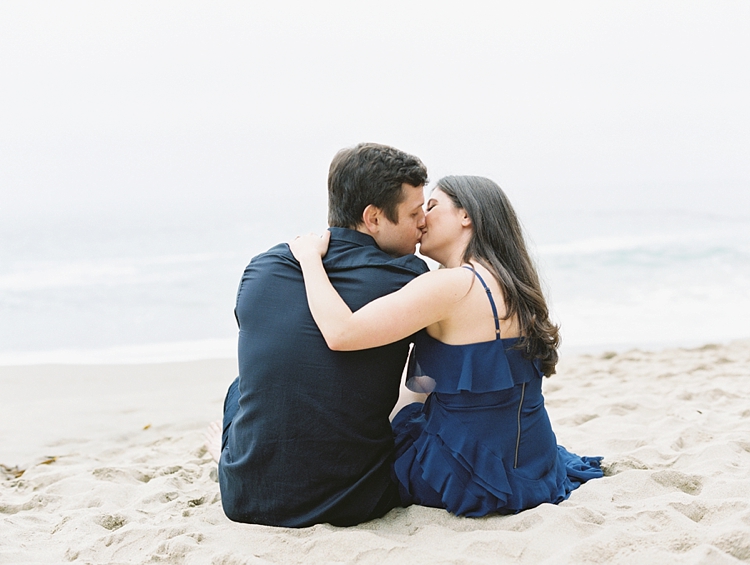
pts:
pixel 475 367
pixel 439 463
pixel 469 479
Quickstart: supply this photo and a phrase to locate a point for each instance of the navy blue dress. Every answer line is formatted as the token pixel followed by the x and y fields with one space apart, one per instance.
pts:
pixel 482 443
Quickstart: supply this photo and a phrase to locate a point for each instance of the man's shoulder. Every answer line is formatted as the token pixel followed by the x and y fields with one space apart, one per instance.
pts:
pixel 350 250
pixel 372 257
pixel 345 254
pixel 412 263
pixel 280 251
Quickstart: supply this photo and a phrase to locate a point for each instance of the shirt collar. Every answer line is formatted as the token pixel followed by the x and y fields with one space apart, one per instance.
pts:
pixel 353 236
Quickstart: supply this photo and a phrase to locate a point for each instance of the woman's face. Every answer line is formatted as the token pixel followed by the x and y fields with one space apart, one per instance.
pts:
pixel 444 225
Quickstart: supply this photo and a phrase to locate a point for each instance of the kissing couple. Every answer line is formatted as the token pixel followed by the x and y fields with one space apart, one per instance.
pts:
pixel 326 325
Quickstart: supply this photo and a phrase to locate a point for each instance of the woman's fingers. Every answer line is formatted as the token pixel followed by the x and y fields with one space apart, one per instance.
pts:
pixel 310 245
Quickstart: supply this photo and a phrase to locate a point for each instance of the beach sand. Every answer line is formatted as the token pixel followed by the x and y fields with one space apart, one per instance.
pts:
pixel 114 472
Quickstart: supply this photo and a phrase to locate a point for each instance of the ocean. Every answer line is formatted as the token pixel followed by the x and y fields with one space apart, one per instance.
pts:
pixel 147 154
pixel 130 288
pixel 649 279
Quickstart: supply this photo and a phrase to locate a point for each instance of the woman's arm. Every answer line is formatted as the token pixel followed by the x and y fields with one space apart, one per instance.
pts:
pixel 426 300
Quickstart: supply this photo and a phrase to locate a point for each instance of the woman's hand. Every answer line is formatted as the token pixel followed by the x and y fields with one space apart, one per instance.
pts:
pixel 310 246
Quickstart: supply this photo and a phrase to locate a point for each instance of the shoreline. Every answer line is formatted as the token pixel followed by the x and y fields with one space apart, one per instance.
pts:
pixel 225 349
pixel 134 354
pixel 114 471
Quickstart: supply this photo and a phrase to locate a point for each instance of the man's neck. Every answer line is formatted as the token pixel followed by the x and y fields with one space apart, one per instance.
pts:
pixel 363 229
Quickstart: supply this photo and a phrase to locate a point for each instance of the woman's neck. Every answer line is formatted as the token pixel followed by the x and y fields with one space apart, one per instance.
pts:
pixel 451 256
pixel 455 259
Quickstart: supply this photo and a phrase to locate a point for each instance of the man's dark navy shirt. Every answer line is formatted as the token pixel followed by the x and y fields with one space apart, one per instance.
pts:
pixel 311 441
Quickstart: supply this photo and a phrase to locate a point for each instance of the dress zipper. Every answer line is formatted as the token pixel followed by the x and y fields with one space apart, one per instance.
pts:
pixel 518 436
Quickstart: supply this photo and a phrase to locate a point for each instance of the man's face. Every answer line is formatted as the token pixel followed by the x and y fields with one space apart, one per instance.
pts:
pixel 401 238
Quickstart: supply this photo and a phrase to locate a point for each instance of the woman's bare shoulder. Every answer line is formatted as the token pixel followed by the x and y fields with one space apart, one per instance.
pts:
pixel 454 281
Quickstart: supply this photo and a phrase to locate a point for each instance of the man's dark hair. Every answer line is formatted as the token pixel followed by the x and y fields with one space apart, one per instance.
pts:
pixel 366 174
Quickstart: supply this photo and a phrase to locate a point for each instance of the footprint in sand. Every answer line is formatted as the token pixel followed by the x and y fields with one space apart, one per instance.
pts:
pixel 689 484
pixel 735 544
pixel 116 475
pixel 626 463
pixel 695 510
pixel 111 522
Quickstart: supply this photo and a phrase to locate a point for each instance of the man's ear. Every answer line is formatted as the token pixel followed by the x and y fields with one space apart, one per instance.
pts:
pixel 372 218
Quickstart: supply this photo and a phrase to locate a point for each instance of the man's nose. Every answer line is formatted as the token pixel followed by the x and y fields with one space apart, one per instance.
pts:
pixel 421 221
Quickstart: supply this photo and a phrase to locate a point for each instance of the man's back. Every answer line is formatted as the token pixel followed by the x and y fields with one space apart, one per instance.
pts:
pixel 311 441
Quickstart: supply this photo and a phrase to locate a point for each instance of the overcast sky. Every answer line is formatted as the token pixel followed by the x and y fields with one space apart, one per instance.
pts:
pixel 111 107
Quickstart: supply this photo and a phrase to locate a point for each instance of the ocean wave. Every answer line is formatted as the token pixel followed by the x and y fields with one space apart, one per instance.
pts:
pixel 27 276
pixel 640 249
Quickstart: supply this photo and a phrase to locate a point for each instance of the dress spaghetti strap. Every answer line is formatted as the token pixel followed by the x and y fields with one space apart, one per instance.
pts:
pixel 492 301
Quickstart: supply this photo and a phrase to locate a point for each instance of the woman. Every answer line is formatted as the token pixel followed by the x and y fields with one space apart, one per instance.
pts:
pixel 482 441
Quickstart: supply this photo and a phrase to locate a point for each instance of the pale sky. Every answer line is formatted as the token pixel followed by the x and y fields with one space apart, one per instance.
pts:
pixel 112 107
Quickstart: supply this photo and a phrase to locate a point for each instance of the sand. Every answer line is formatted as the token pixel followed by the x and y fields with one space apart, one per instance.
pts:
pixel 114 471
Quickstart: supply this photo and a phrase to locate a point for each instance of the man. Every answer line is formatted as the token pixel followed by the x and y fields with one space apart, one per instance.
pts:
pixel 306 437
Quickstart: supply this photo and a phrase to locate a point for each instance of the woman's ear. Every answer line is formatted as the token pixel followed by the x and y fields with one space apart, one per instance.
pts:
pixel 465 219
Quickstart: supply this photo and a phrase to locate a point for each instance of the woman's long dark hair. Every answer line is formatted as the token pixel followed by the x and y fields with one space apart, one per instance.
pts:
pixel 498 244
